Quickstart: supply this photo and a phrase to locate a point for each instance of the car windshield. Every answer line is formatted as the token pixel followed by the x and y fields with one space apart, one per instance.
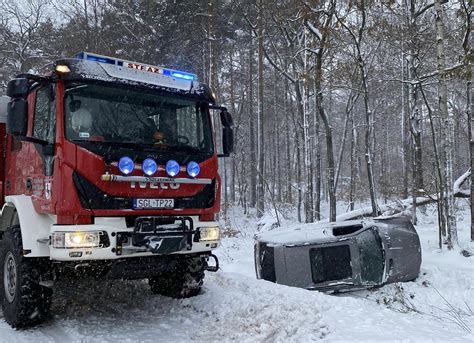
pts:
pixel 117 116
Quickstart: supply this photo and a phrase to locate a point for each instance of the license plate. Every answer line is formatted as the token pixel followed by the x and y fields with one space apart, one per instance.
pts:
pixel 153 203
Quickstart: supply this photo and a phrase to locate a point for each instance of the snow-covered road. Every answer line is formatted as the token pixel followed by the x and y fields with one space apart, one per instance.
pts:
pixel 234 306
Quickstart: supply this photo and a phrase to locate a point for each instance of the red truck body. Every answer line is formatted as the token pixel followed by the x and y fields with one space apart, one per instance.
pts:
pixel 3 142
pixel 22 162
pixel 107 167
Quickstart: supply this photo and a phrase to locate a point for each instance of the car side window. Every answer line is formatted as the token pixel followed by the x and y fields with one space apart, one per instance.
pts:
pixel 44 118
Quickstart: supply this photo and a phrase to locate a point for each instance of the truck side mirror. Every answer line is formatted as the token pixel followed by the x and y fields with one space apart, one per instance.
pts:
pixel 227 140
pixel 17 116
pixel 226 119
pixel 18 88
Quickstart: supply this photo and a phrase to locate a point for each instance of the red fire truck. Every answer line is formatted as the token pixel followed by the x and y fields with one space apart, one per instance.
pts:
pixel 108 168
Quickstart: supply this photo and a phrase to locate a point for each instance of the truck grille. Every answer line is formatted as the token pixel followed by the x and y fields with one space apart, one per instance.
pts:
pixel 93 198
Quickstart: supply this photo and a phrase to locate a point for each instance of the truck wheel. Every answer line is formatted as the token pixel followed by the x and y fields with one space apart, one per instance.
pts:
pixel 24 301
pixel 184 282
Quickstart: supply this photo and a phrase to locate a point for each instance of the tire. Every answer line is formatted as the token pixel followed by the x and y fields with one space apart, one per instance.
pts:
pixel 25 302
pixel 183 282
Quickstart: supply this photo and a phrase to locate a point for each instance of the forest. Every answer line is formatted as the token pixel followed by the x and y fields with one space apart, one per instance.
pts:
pixel 357 102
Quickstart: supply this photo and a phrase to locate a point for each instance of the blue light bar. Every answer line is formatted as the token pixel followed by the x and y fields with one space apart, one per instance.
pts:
pixel 176 74
pixel 98 58
pixel 179 74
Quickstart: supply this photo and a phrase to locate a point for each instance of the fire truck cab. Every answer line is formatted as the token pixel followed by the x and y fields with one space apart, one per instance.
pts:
pixel 108 168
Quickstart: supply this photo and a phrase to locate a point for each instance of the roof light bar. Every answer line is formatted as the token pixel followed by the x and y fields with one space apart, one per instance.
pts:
pixel 137 66
pixel 179 74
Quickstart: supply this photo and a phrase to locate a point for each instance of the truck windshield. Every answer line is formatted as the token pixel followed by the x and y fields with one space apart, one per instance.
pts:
pixel 112 115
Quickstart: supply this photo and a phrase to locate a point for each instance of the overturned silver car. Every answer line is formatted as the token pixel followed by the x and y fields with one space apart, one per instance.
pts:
pixel 340 256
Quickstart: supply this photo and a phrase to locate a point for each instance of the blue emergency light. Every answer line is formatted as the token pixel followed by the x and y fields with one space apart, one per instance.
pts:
pixel 178 74
pixel 109 60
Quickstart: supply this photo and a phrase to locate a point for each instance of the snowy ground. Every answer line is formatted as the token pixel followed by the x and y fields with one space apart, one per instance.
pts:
pixel 234 306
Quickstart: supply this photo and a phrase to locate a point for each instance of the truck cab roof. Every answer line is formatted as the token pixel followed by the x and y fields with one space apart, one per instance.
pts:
pixel 98 68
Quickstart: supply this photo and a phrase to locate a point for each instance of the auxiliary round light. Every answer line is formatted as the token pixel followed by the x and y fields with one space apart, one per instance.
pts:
pixel 193 169
pixel 126 165
pixel 172 168
pixel 149 166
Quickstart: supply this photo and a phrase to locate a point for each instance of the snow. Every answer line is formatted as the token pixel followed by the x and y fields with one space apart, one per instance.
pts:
pixel 306 233
pixel 234 306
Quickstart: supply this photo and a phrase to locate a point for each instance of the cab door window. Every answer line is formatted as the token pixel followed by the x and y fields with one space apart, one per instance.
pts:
pixel 44 118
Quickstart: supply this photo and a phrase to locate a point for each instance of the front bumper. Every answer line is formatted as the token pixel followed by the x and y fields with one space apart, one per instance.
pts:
pixel 150 238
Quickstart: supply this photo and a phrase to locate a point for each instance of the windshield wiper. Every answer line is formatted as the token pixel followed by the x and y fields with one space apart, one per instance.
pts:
pixel 148 146
pixel 75 88
pixel 118 144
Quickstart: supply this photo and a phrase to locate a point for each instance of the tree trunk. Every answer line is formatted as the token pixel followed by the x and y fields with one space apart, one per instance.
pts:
pixel 439 184
pixel 253 156
pixel 307 137
pixel 287 107
pixel 317 167
pixel 301 145
pixel 469 111
pixel 468 42
pixel 298 177
pixel 415 117
pixel 369 121
pixel 277 136
pixel 260 124
pixel 232 106
pixel 354 158
pixel 403 133
pixel 330 170
pixel 447 137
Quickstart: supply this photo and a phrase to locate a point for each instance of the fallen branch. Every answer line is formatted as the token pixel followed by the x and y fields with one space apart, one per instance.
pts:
pixel 404 205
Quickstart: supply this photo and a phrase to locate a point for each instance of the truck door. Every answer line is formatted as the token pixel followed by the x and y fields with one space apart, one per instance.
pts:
pixel 3 142
pixel 43 129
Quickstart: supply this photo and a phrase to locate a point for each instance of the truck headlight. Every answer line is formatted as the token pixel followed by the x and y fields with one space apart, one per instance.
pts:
pixel 78 239
pixel 211 233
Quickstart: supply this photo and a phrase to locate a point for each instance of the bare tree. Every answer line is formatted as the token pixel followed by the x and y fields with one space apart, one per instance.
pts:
pixel 260 116
pixel 22 43
pixel 467 47
pixel 324 19
pixel 357 35
pixel 447 130
pixel 414 111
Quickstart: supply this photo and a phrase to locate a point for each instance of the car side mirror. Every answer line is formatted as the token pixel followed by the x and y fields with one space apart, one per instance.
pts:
pixel 17 117
pixel 18 88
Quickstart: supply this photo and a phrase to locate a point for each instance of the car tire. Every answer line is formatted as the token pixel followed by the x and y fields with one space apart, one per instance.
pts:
pixel 183 282
pixel 25 302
